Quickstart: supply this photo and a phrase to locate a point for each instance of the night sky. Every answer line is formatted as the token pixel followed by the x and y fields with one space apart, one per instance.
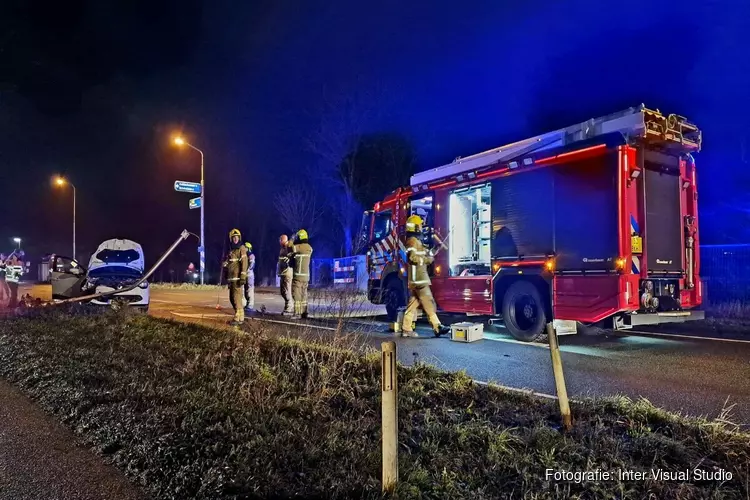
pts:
pixel 94 90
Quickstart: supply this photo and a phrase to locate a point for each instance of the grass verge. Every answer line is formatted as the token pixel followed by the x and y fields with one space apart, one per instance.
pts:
pixel 193 412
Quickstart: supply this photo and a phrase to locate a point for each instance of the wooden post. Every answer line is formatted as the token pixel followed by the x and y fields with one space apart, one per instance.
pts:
pixel 389 416
pixel 562 393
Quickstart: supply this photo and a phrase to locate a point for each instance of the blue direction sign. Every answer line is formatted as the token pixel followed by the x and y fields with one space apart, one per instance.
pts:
pixel 187 187
pixel 195 202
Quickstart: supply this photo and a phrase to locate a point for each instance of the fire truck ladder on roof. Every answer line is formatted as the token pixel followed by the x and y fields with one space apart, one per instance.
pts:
pixel 637 123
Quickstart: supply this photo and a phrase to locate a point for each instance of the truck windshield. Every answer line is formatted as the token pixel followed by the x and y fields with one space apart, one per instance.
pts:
pixel 381 225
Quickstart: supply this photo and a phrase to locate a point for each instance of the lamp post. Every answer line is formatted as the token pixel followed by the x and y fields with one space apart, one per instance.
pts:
pixel 179 141
pixel 17 241
pixel 61 181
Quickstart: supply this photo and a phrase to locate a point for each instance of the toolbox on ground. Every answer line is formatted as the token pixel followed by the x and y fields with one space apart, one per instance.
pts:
pixel 467 332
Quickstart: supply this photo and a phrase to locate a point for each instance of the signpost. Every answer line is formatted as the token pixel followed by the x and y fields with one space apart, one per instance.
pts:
pixel 195 188
pixel 187 187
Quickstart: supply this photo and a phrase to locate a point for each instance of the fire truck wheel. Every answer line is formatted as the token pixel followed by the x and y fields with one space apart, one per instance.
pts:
pixel 523 312
pixel 393 298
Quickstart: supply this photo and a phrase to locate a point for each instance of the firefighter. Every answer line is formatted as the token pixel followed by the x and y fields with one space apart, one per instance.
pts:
pixel 250 281
pixel 4 289
pixel 236 265
pixel 13 272
pixel 419 258
pixel 299 258
pixel 285 273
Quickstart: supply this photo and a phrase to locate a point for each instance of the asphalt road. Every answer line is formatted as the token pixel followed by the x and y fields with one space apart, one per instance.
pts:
pixel 40 458
pixel 698 377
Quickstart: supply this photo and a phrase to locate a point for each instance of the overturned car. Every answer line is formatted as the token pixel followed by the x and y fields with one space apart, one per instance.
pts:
pixel 116 264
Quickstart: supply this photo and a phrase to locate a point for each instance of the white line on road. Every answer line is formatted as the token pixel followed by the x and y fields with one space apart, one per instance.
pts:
pixel 514 341
pixel 294 324
pixel 528 392
pixel 201 316
pixel 695 337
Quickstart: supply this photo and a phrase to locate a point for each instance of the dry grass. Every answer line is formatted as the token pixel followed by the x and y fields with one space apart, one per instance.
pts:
pixel 196 412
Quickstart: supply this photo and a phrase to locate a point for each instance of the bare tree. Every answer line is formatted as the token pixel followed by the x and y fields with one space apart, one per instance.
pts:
pixel 343 122
pixel 298 207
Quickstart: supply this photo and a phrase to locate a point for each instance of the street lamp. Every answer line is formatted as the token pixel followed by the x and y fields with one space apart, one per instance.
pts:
pixel 18 242
pixel 61 181
pixel 179 141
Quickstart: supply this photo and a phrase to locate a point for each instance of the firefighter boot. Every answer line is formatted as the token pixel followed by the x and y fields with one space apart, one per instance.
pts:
pixel 438 328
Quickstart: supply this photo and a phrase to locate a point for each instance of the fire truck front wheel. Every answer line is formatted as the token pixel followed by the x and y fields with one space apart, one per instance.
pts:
pixel 523 312
pixel 393 298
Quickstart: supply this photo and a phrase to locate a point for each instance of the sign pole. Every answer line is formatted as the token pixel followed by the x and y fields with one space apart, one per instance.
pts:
pixel 203 239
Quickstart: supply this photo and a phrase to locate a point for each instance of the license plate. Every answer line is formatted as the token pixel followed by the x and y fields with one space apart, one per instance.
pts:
pixel 636 244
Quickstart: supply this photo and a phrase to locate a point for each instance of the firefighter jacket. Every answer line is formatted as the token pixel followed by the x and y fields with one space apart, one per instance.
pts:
pixel 418 259
pixel 284 261
pixel 236 265
pixel 300 259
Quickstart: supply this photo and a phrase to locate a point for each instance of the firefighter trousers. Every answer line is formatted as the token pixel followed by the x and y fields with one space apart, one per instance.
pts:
pixel 299 294
pixel 285 286
pixel 236 297
pixel 421 296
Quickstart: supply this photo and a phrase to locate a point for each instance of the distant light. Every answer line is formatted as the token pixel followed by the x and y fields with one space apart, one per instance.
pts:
pixel 195 275
pixel 60 181
pixel 179 141
pixel 16 240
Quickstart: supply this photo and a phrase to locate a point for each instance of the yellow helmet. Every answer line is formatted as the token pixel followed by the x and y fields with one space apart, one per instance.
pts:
pixel 249 246
pixel 414 223
pixel 235 232
pixel 302 234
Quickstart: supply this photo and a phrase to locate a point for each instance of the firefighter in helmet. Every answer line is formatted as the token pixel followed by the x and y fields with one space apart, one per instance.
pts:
pixel 250 281
pixel 236 265
pixel 299 258
pixel 420 294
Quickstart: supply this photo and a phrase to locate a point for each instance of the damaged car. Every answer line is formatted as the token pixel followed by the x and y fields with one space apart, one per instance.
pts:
pixel 116 264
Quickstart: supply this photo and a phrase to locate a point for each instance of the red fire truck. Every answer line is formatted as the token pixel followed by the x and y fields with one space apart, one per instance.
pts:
pixel 593 224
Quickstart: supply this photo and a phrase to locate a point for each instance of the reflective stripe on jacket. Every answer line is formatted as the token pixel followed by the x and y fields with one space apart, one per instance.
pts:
pixel 418 259
pixel 301 253
pixel 237 265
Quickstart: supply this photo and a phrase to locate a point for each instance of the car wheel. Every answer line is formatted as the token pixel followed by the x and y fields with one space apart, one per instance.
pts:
pixel 523 312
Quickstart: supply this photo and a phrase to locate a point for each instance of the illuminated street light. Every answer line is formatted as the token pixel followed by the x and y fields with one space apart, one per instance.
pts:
pixel 61 181
pixel 18 242
pixel 179 141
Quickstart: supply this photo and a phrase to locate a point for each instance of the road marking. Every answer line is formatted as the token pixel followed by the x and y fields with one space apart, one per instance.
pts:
pixel 677 335
pixel 514 341
pixel 294 324
pixel 528 392
pixel 200 316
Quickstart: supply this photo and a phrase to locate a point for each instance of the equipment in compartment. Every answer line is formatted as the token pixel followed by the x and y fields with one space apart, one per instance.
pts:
pixel 470 223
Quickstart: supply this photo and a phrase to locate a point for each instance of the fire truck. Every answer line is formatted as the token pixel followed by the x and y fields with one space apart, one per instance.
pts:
pixel 593 224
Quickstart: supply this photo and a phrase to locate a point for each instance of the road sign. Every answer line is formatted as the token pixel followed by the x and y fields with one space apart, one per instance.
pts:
pixel 187 187
pixel 195 202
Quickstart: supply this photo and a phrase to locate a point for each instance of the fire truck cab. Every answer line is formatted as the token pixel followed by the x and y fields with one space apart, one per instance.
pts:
pixel 596 223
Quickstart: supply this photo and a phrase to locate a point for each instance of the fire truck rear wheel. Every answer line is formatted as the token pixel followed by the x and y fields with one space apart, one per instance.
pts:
pixel 393 298
pixel 523 312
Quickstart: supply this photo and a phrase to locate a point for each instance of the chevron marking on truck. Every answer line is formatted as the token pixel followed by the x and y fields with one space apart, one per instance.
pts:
pixel 635 229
